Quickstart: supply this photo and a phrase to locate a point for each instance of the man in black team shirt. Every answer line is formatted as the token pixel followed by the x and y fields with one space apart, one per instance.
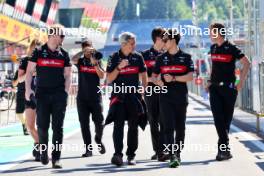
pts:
pixel 222 88
pixel 152 100
pixel 176 69
pixel 53 69
pixel 89 98
pixel 124 69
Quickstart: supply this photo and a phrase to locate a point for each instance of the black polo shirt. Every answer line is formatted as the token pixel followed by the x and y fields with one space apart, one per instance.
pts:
pixel 150 57
pixel 128 76
pixel 176 65
pixel 50 69
pixel 224 62
pixel 88 80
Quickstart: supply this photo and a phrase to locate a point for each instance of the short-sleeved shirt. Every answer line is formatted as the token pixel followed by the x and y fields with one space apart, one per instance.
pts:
pixel 224 62
pixel 88 80
pixel 128 76
pixel 21 86
pixel 150 57
pixel 23 66
pixel 50 69
pixel 176 65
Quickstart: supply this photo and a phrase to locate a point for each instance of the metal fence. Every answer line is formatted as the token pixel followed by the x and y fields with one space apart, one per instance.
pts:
pixel 8 102
pixel 262 87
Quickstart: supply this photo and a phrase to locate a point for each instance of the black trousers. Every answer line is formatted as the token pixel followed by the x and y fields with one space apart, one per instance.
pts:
pixel 85 109
pixel 126 111
pixel 173 118
pixel 222 100
pixel 156 128
pixel 51 105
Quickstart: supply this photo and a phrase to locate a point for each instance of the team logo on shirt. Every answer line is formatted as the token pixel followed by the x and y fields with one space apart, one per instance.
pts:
pixel 173 69
pixel 221 57
pixel 181 59
pixel 56 63
pixel 150 63
pixel 45 53
pixel 165 60
pixel 87 69
pixel 129 70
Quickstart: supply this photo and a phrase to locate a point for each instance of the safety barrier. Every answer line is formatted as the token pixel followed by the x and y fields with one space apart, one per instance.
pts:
pixel 8 104
pixel 258 125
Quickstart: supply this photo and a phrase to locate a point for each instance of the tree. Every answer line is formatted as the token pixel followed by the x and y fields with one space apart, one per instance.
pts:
pixel 178 9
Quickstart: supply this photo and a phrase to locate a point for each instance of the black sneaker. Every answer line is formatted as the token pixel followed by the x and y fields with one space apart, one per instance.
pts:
pixel 154 157
pixel 103 150
pixel 163 157
pixel 117 160
pixel 37 157
pixel 223 155
pixel 87 154
pixel 174 162
pixel 131 161
pixel 35 149
pixel 25 130
pixel 178 156
pixel 56 165
pixel 35 152
pixel 44 158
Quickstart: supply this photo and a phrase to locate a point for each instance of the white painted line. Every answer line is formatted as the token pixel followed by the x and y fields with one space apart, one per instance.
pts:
pixel 19 160
pixel 10 126
pixel 70 110
pixel 248 137
pixel 15 162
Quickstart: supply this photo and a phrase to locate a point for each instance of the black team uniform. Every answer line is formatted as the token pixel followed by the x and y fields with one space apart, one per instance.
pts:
pixel 152 102
pixel 51 97
pixel 223 92
pixel 173 104
pixel 89 102
pixel 126 106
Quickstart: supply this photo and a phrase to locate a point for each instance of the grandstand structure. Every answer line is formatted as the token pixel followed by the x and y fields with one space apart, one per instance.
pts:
pixel 92 18
pixel 142 29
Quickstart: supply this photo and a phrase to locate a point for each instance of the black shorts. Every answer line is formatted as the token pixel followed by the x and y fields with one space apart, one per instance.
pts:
pixel 31 104
pixel 20 105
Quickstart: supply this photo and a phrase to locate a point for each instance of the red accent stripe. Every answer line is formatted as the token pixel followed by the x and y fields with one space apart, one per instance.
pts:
pixel 114 100
pixel 56 63
pixel 150 63
pixel 173 69
pixel 129 70
pixel 221 57
pixel 86 69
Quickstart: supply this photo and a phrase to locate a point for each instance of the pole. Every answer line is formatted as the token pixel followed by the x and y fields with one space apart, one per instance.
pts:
pixel 2 5
pixel 231 14
pixel 138 10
